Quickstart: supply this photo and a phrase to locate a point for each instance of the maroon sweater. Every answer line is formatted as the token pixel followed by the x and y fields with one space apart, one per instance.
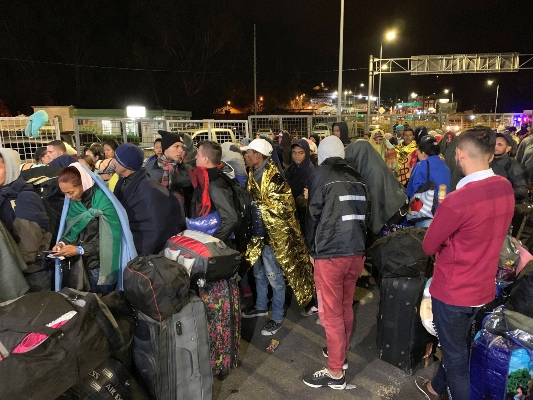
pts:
pixel 468 232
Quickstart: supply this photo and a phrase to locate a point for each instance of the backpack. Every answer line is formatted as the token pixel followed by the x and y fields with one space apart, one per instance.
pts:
pixel 156 286
pixel 243 205
pixel 44 181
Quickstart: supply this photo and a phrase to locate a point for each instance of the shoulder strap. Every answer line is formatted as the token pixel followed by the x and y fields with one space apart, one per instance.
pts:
pixel 427 178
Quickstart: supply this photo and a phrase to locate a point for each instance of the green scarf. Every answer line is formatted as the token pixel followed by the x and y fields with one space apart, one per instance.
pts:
pixel 109 232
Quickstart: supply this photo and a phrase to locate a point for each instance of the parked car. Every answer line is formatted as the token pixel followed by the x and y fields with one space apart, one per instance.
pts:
pixel 219 135
pixel 265 132
pixel 321 130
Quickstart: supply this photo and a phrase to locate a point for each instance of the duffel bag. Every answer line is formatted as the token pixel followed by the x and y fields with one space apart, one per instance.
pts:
pixel 47 343
pixel 400 254
pixel 156 286
pixel 207 258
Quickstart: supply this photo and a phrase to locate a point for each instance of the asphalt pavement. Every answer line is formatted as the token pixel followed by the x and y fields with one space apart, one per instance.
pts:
pixel 267 376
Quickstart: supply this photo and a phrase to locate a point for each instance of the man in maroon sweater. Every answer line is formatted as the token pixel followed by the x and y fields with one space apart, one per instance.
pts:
pixel 466 234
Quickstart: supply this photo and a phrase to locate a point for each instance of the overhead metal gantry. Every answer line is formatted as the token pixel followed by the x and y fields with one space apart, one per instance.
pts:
pixel 447 64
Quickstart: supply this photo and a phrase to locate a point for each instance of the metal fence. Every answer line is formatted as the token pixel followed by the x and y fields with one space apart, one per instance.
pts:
pixel 12 135
pixel 143 132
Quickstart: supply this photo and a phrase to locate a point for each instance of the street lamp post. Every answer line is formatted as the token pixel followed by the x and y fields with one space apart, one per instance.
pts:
pixel 389 36
pixel 490 82
pixel 448 91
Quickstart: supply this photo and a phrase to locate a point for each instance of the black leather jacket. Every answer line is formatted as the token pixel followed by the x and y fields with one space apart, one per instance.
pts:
pixel 339 209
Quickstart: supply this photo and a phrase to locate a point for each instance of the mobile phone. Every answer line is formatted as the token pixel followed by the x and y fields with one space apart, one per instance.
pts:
pixel 50 251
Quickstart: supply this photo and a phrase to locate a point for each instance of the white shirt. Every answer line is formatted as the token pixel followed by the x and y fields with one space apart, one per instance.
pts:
pixel 476 176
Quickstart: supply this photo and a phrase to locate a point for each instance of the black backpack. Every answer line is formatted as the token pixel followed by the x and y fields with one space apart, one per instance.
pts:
pixel 44 181
pixel 243 205
pixel 156 286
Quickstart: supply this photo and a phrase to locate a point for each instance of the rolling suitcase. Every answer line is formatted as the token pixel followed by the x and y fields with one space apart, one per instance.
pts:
pixel 402 339
pixel 172 357
pixel 222 300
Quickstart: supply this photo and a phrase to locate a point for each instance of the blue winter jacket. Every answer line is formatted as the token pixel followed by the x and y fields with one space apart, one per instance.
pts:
pixel 438 173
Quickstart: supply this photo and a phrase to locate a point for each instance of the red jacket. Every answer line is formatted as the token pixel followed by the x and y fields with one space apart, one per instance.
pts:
pixel 468 232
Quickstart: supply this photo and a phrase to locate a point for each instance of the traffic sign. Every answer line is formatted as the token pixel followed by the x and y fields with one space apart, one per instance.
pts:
pixel 413 104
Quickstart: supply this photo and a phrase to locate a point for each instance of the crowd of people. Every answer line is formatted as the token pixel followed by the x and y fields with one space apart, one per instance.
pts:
pixel 317 206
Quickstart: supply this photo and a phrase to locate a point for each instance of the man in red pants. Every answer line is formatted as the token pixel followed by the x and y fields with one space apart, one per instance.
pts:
pixel 335 234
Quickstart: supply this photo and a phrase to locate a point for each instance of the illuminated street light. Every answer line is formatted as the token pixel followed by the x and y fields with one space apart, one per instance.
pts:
pixel 414 95
pixel 446 91
pixel 390 35
pixel 490 82
pixel 362 85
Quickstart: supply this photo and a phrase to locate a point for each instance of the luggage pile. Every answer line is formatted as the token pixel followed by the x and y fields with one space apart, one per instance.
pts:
pixel 175 326
pixel 405 268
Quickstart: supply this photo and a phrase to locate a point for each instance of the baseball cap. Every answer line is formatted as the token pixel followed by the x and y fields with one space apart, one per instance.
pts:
pixel 259 145
pixel 507 138
pixel 399 128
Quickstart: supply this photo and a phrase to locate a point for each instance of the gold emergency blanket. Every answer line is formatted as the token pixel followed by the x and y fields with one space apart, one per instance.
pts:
pixel 403 153
pixel 277 206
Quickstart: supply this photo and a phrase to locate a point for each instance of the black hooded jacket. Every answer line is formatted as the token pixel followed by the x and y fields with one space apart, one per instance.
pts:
pixel 338 213
pixel 298 176
pixel 343 127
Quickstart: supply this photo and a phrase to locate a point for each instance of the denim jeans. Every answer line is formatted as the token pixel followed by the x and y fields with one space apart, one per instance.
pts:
pixel 93 281
pixel 268 271
pixel 452 324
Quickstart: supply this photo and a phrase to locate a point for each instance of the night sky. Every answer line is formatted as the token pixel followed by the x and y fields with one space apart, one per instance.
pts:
pixel 196 55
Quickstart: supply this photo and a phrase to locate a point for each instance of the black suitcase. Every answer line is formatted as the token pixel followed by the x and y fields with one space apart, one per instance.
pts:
pixel 173 357
pixel 109 381
pixel 402 339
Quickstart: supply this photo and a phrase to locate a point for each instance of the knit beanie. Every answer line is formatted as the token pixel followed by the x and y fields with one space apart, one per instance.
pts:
pixel 330 146
pixel 168 139
pixel 12 164
pixel 129 156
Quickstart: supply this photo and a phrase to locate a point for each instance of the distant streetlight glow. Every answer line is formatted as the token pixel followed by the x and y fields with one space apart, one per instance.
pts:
pixel 414 95
pixel 390 35
pixel 490 82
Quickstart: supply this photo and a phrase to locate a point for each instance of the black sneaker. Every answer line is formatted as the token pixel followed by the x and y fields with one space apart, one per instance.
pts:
pixel 322 378
pixel 325 352
pixel 270 328
pixel 253 312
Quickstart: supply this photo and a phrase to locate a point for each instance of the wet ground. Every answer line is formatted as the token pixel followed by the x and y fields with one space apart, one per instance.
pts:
pixel 279 375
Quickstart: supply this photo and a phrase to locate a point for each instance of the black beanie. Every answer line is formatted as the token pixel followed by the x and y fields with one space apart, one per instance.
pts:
pixel 168 139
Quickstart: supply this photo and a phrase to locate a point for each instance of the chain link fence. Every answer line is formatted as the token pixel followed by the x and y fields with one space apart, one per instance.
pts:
pixel 12 135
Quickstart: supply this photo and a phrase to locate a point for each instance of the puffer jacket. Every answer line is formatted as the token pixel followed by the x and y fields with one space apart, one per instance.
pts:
pixel 338 213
